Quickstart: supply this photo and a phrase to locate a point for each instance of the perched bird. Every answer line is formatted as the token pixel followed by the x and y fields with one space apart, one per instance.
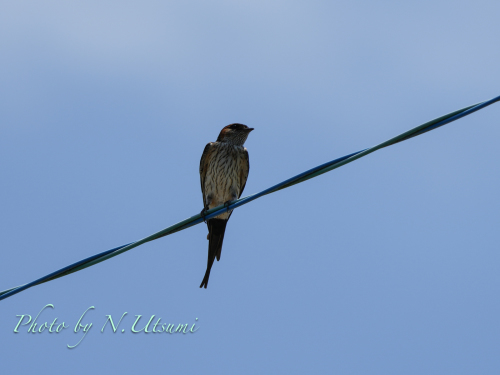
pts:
pixel 224 170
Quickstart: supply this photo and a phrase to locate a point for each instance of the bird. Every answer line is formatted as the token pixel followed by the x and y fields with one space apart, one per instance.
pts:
pixel 224 168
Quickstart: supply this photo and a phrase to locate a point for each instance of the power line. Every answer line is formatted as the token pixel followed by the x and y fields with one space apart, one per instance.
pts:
pixel 197 219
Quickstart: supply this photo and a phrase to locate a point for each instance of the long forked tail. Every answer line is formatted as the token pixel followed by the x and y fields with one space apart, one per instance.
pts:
pixel 216 230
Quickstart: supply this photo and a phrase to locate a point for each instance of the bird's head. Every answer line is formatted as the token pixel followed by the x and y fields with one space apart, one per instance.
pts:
pixel 235 134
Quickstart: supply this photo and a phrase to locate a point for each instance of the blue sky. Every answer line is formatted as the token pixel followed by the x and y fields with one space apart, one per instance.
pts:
pixel 388 265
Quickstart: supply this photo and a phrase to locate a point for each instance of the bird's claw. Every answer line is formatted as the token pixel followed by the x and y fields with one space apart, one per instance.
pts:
pixel 227 204
pixel 203 214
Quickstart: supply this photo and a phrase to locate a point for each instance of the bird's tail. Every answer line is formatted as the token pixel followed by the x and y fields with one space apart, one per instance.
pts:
pixel 216 230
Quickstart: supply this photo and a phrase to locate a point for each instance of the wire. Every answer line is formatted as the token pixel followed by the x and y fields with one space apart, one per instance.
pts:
pixel 197 219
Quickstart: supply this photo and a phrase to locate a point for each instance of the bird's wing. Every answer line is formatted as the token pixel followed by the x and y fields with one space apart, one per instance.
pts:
pixel 245 168
pixel 205 158
pixel 243 175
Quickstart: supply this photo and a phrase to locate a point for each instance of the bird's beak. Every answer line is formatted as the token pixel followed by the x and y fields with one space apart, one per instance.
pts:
pixel 249 129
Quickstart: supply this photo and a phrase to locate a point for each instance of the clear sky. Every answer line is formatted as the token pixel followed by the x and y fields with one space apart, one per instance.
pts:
pixel 388 265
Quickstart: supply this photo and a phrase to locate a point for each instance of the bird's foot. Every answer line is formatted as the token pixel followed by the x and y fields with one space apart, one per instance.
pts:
pixel 227 203
pixel 203 214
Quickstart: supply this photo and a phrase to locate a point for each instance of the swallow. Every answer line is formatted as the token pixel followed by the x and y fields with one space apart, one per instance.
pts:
pixel 224 168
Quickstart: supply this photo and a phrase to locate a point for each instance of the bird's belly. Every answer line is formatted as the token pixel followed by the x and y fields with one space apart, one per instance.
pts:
pixel 222 181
